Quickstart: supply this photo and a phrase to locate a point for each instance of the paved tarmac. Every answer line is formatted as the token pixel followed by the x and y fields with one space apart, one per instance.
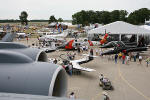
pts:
pixel 131 82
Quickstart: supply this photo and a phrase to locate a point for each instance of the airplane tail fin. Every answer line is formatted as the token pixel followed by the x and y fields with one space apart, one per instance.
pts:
pixel 69 45
pixel 90 43
pixel 104 39
pixel 8 37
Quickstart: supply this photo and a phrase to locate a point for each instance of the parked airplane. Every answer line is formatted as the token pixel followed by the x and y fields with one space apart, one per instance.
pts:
pixel 74 44
pixel 76 63
pixel 121 47
pixel 53 37
pixel 101 42
pixel 22 35
pixel 112 44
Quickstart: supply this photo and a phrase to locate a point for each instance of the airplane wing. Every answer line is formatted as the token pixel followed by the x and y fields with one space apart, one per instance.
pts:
pixel 48 49
pixel 83 60
pixel 13 96
pixel 80 60
pixel 89 55
pixel 78 67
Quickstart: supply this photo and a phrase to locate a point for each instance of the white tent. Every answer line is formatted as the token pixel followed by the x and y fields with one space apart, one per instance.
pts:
pixel 146 27
pixel 120 27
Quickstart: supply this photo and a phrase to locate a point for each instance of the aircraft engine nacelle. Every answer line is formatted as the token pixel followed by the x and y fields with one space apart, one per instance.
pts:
pixel 23 74
pixel 33 53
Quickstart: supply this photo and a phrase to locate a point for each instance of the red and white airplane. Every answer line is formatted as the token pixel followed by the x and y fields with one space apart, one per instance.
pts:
pixel 73 44
pixel 101 42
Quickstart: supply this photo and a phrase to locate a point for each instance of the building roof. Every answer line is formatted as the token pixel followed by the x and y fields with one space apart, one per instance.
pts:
pixel 120 27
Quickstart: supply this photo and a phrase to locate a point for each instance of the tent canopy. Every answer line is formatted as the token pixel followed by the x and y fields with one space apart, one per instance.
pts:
pixel 119 27
pixel 146 27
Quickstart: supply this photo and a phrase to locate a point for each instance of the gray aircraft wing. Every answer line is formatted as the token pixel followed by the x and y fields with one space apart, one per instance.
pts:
pixel 13 96
pixel 78 67
pixel 76 64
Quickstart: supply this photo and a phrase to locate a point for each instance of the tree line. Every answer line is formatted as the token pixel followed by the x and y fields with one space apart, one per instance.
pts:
pixel 104 17
pixel 83 17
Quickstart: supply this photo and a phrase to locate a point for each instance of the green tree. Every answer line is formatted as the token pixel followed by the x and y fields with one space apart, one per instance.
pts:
pixel 52 19
pixel 80 18
pixel 123 15
pixel 139 16
pixel 115 15
pixel 92 17
pixel 60 20
pixel 105 17
pixel 23 18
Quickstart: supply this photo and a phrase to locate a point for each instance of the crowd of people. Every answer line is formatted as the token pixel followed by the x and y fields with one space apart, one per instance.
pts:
pixel 127 58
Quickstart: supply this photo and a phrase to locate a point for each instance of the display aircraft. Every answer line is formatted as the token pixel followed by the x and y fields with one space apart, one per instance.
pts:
pixel 21 35
pixel 76 63
pixel 101 42
pixel 53 37
pixel 113 44
pixel 121 47
pixel 74 44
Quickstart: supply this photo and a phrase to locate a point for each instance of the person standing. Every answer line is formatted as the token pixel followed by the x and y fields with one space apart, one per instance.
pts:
pixel 101 77
pixel 72 95
pixel 147 61
pixel 55 61
pixel 70 69
pixel 134 56
pixel 123 59
pixel 120 55
pixel 127 59
pixel 140 59
pixel 27 39
pixel 86 47
pixel 96 52
pixel 116 58
pixel 78 49
pixel 91 52
pixel 105 96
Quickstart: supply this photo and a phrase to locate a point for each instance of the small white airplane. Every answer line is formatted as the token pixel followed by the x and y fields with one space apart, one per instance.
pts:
pixel 76 63
pixel 53 37
pixel 21 35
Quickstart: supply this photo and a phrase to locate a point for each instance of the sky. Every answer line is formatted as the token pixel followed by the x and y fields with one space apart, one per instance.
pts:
pixel 43 9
